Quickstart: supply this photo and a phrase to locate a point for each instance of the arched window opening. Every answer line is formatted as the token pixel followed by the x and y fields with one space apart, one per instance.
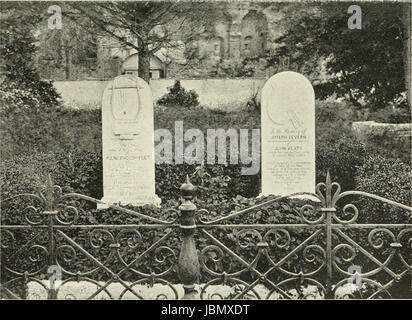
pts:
pixel 247 45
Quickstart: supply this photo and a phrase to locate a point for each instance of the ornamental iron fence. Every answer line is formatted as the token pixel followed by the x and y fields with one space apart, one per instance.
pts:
pixel 55 248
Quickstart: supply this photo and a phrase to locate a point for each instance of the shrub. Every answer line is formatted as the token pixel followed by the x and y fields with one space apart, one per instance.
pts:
pixel 34 130
pixel 388 178
pixel 388 144
pixel 79 171
pixel 178 96
pixel 203 118
pixel 18 49
pixel 391 115
pixel 337 149
pixel 341 158
pixel 333 119
pixel 228 69
pixel 400 116
pixel 284 211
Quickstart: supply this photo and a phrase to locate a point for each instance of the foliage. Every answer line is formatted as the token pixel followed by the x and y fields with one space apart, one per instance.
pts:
pixel 178 96
pixel 385 177
pixel 356 60
pixel 391 115
pixel 231 69
pixel 67 53
pixel 254 101
pixel 26 102
pixel 220 189
pixel 337 149
pixel 388 144
pixel 66 130
pixel 400 116
pixel 204 118
pixel 243 242
pixel 146 27
pixel 331 116
pixel 79 171
pixel 31 130
pixel 391 141
pixel 21 81
pixel 341 158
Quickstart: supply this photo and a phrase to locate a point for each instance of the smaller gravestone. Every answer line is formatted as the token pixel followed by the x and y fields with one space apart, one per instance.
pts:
pixel 288 135
pixel 128 144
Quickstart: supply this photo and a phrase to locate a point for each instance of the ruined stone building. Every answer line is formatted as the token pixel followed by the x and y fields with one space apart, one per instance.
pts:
pixel 241 30
pixel 238 34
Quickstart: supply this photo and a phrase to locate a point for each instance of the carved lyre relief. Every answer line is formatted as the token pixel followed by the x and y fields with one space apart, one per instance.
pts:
pixel 125 105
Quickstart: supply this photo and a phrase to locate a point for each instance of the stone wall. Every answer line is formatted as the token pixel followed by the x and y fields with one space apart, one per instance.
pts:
pixel 213 93
pixel 389 139
pixel 363 129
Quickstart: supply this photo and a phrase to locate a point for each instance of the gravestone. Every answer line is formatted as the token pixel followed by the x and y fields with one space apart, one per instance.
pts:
pixel 288 135
pixel 128 144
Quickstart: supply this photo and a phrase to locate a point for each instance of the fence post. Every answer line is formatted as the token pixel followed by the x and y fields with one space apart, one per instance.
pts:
pixel 329 209
pixel 410 261
pixel 188 263
pixel 50 210
pixel 329 291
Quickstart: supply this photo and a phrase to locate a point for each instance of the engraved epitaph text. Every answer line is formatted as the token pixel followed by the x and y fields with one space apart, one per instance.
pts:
pixel 128 145
pixel 288 135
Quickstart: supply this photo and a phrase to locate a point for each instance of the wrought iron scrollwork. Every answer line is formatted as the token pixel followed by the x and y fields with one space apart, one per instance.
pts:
pixel 308 258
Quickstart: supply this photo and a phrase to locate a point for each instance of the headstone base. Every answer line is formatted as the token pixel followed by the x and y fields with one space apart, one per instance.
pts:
pixel 138 202
pixel 301 196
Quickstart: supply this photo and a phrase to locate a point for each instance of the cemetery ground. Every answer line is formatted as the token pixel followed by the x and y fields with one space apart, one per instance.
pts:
pixel 66 143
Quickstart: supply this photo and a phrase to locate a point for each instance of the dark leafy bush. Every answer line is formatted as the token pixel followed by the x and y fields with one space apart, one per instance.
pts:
pixel 31 130
pixel 227 69
pixel 330 115
pixel 242 242
pixel 178 96
pixel 341 158
pixel 79 171
pixel 389 144
pixel 337 149
pixel 388 178
pixel 284 211
pixel 400 116
pixel 17 49
pixel 203 118
pixel 391 115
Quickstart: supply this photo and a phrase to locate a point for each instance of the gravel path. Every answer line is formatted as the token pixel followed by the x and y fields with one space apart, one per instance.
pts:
pixel 84 289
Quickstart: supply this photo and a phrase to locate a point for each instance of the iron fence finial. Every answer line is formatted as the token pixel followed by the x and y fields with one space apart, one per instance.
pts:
pixel 188 263
pixel 187 189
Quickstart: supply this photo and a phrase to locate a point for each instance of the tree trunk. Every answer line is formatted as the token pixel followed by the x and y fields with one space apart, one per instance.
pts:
pixel 144 62
pixel 67 63
pixel 407 51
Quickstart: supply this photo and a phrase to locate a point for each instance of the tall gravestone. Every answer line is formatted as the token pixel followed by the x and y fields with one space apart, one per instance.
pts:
pixel 288 134
pixel 128 144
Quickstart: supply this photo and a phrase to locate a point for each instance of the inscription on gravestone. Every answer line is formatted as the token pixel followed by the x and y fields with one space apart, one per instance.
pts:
pixel 128 144
pixel 288 135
